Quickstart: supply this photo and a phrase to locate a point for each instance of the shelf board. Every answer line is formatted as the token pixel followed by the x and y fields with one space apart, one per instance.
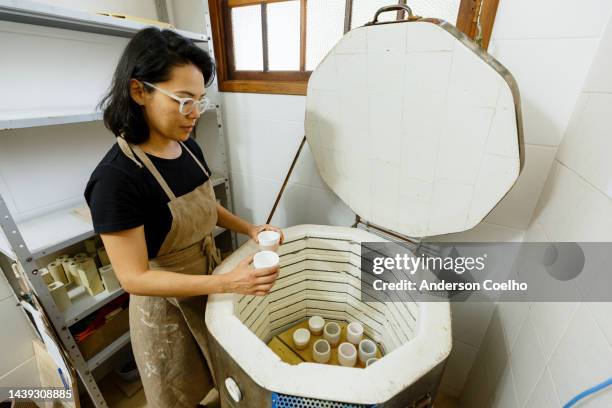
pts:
pixel 30 12
pixel 59 229
pixel 108 351
pixel 83 304
pixel 217 180
pixel 51 232
pixel 219 231
pixel 18 119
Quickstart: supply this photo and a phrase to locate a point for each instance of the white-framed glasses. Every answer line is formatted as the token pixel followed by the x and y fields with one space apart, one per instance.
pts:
pixel 186 105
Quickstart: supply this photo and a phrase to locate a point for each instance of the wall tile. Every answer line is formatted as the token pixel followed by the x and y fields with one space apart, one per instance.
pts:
pixel 253 196
pixel 516 208
pixel 458 366
pixel 15 337
pixel 495 350
pixel 524 19
pixel 586 212
pixel 505 395
pixel 535 233
pixel 470 321
pixel 560 198
pixel 582 360
pixel 24 375
pixel 602 312
pixel 599 78
pixel 262 148
pixel 483 232
pixel 549 81
pixel 527 362
pixel 587 145
pixel 477 388
pixel 512 316
pixel 544 395
pixel 307 205
pixel 264 106
pixel 305 171
pixel 550 321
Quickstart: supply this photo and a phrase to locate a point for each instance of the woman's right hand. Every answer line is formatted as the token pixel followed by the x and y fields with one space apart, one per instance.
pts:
pixel 249 281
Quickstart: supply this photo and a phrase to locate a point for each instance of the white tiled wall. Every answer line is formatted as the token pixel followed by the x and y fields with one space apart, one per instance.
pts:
pixel 263 133
pixel 554 351
pixel 548 46
pixel 18 364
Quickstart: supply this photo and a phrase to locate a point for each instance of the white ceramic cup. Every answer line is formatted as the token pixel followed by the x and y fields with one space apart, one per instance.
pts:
pixel 371 361
pixel 331 333
pixel 265 259
pixel 315 324
pixel 321 351
pixel 301 337
pixel 347 354
pixel 367 350
pixel 268 240
pixel 354 332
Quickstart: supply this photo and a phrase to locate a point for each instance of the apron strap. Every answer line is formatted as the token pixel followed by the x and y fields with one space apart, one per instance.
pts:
pixel 212 253
pixel 196 159
pixel 125 148
pixel 130 149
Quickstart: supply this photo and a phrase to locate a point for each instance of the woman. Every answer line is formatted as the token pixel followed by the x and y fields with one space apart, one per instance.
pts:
pixel 153 204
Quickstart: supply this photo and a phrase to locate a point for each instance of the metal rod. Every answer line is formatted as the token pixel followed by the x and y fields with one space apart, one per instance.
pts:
pixel 348 15
pixel 264 35
pixel 280 193
pixel 401 237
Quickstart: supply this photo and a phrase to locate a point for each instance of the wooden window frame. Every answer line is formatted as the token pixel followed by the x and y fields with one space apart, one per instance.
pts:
pixel 295 82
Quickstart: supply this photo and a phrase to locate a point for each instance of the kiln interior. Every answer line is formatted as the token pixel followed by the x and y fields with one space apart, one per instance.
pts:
pixel 321 276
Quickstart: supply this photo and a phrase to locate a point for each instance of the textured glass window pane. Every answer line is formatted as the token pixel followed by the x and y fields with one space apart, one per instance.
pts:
pixel 364 10
pixel 284 36
pixel 445 9
pixel 246 30
pixel 324 27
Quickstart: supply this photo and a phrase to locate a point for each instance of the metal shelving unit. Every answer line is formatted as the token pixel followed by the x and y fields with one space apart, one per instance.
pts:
pixel 29 241
pixel 18 119
pixel 31 12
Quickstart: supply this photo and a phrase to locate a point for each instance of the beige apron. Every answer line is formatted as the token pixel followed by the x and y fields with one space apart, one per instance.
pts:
pixel 169 335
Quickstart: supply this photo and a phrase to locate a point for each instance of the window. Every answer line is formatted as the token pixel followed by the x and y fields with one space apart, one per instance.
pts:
pixel 272 46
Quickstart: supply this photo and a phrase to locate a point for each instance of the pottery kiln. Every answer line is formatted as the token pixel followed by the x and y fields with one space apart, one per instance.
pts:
pixel 419 132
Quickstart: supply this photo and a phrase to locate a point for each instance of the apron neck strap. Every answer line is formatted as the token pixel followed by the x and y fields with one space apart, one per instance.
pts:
pixel 196 159
pixel 130 149
pixel 127 150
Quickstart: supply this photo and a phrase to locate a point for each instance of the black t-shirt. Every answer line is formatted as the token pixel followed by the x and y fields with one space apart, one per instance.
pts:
pixel 122 195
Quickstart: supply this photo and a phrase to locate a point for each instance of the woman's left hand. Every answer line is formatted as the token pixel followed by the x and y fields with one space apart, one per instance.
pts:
pixel 256 229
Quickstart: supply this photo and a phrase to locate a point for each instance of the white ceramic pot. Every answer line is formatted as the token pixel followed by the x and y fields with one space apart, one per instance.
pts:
pixel 268 240
pixel 367 350
pixel 371 361
pixel 331 333
pixel 265 259
pixel 315 324
pixel 347 354
pixel 354 332
pixel 301 337
pixel 321 351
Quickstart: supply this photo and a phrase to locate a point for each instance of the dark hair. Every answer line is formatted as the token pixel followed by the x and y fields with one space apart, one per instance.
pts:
pixel 149 56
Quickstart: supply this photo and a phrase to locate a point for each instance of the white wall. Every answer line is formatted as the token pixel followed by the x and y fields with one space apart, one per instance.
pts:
pixel 540 355
pixel 263 134
pixel 18 363
pixel 549 50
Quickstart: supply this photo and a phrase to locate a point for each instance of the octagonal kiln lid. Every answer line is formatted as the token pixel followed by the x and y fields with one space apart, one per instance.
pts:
pixel 415 127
